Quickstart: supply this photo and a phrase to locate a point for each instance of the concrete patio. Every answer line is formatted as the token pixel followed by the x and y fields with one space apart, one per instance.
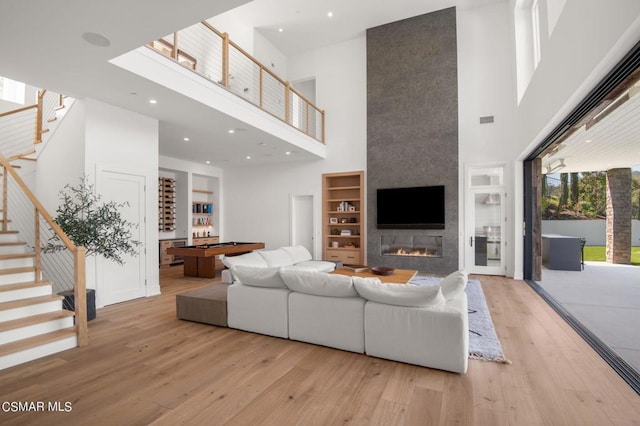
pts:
pixel 605 298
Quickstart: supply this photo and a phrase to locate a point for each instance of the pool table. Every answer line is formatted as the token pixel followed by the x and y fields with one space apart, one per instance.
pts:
pixel 200 260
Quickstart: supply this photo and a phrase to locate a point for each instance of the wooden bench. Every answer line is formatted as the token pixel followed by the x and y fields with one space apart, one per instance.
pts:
pixel 207 305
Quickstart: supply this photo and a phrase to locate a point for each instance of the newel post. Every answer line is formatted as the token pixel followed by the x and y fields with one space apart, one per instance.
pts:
pixel 80 296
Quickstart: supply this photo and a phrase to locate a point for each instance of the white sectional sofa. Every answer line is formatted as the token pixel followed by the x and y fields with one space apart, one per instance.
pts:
pixel 422 325
pixel 296 256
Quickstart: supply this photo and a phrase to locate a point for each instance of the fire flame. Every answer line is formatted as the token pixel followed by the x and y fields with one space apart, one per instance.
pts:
pixel 404 252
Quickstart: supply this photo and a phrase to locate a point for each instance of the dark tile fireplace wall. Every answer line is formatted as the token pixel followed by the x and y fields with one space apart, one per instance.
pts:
pixel 412 127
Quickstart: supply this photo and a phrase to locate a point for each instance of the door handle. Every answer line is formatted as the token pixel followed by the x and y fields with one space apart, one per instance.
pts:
pixel 471 241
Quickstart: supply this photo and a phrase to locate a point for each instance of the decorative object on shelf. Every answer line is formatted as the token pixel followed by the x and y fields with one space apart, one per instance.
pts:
pixel 353 220
pixel 382 270
pixel 204 208
pixel 335 244
pixel 350 246
pixel 345 233
pixel 344 220
pixel 335 231
pixel 345 206
pixel 333 220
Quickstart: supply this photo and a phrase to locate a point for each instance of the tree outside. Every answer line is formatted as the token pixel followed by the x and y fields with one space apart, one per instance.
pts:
pixel 582 195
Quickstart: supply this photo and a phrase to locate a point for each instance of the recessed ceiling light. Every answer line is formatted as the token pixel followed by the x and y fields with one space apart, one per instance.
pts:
pixel 96 39
pixel 588 141
pixel 288 153
pixel 208 162
pixel 248 157
pixel 280 30
pixel 231 131
pixel 330 14
pixel 153 101
pixel 186 139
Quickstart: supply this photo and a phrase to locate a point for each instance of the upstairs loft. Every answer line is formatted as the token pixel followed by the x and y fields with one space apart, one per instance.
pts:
pixel 229 89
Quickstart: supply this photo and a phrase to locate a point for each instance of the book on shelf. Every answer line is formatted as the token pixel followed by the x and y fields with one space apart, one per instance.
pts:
pixel 355 268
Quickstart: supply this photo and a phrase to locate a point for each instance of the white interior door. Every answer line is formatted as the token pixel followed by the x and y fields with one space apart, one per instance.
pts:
pixel 485 221
pixel 118 283
pixel 302 221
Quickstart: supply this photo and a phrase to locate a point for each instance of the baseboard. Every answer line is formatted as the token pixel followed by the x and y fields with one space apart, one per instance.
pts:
pixel 625 370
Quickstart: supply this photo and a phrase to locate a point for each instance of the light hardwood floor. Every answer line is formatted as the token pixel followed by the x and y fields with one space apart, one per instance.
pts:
pixel 144 366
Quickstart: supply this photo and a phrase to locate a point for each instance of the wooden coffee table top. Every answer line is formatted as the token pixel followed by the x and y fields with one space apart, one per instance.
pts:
pixel 399 276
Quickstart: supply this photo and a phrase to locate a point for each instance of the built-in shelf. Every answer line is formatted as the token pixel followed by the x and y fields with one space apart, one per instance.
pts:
pixel 202 214
pixel 342 201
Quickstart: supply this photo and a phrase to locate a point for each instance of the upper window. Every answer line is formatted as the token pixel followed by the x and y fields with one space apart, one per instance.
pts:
pixel 12 91
pixel 527 15
pixel 535 33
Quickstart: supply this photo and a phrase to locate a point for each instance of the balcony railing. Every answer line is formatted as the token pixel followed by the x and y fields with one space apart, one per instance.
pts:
pixel 203 49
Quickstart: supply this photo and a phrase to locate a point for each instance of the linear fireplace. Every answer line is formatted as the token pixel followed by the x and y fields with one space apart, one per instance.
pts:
pixel 411 245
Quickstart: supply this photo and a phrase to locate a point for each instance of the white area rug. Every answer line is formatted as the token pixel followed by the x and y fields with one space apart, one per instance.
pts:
pixel 483 341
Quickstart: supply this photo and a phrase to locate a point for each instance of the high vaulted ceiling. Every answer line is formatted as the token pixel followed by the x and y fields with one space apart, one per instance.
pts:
pixel 42 45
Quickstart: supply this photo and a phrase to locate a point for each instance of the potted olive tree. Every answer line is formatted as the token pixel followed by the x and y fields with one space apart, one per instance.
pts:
pixel 96 225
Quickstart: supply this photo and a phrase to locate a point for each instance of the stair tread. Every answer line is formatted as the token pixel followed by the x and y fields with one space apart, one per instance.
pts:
pixel 28 301
pixel 9 271
pixel 31 342
pixel 16 256
pixel 13 243
pixel 20 286
pixel 35 319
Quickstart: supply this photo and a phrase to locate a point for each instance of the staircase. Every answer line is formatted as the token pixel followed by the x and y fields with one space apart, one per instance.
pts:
pixel 33 323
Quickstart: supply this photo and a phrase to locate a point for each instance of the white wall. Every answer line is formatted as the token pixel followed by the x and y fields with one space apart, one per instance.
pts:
pixel 269 55
pixel 239 32
pixel 123 141
pixel 257 208
pixel 487 87
pixel 589 38
pixel 61 160
pixel 595 231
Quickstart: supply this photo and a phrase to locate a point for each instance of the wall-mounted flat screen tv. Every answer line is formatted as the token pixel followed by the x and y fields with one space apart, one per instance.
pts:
pixel 420 207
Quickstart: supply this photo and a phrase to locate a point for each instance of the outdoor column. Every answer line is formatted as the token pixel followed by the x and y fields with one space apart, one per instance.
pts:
pixel 619 215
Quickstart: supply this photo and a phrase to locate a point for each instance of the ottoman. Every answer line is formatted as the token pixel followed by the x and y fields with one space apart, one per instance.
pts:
pixel 207 305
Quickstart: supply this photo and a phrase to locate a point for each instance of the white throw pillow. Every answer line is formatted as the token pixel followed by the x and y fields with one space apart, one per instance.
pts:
pixel 247 259
pixel 259 277
pixel 316 265
pixel 318 283
pixel 398 294
pixel 298 253
pixel 277 257
pixel 453 284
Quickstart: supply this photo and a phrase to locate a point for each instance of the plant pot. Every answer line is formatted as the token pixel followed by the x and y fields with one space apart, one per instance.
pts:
pixel 69 302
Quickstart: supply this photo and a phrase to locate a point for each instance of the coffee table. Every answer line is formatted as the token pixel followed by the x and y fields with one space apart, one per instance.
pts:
pixel 399 276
